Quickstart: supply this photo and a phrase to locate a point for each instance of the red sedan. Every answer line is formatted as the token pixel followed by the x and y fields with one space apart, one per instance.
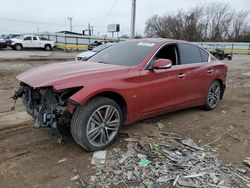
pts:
pixel 127 82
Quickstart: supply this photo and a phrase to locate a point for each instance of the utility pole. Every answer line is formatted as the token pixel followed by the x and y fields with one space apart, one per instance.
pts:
pixel 133 12
pixel 70 23
pixel 92 30
pixel 89 29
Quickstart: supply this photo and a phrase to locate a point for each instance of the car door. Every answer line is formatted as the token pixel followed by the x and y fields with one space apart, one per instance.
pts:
pixel 35 42
pixel 196 73
pixel 159 89
pixel 27 42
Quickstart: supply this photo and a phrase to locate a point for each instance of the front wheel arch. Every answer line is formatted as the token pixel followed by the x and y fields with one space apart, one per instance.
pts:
pixel 82 117
pixel 113 95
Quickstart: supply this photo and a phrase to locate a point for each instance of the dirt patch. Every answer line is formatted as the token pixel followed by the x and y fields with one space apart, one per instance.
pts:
pixel 29 157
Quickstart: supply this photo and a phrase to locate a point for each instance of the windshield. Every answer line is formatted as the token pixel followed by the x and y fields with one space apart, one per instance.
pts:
pixel 101 47
pixel 124 53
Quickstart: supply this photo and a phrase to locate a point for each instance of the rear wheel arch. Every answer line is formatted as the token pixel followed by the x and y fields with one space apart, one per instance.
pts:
pixel 222 86
pixel 214 94
pixel 48 47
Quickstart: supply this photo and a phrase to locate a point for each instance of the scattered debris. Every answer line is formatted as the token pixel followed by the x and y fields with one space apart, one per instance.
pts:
pixel 62 160
pixel 130 140
pixel 242 170
pixel 99 157
pixel 144 162
pixel 190 143
pixel 78 177
pixel 160 125
pixel 223 111
pixel 247 161
pixel 218 138
pixel 164 161
pixel 176 179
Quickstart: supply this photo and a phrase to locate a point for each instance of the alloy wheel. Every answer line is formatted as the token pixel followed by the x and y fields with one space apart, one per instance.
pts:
pixel 103 125
pixel 214 95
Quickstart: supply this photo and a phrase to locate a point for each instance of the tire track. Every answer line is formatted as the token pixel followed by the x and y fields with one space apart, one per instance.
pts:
pixel 15 130
pixel 25 150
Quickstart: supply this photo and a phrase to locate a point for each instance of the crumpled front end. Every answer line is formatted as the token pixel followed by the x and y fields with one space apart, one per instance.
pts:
pixel 47 106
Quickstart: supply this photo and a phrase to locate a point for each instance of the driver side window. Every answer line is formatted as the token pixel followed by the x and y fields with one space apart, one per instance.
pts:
pixel 167 52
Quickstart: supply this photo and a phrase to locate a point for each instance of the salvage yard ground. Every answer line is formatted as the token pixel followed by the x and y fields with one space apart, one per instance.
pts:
pixel 32 158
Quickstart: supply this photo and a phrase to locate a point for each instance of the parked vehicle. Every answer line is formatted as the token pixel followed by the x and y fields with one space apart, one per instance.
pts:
pixel 94 44
pixel 124 83
pixel 2 43
pixel 84 56
pixel 9 37
pixel 220 54
pixel 31 41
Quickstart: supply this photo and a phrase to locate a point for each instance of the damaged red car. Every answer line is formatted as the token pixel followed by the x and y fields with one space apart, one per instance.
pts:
pixel 127 82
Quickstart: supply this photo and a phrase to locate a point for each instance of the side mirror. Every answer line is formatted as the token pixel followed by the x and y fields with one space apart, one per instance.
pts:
pixel 162 64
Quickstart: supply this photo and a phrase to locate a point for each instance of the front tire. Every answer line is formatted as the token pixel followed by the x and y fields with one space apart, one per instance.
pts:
pixel 213 96
pixel 18 47
pixel 95 125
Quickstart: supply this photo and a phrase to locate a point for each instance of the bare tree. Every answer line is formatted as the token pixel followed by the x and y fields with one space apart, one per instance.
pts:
pixel 209 22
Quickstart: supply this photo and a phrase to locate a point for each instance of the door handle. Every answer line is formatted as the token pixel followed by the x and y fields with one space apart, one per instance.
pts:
pixel 210 70
pixel 181 75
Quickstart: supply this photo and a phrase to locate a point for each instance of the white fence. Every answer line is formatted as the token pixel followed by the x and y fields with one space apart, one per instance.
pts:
pixel 235 48
pixel 80 42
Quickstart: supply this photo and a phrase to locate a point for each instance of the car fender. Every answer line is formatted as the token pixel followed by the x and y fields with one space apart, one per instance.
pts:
pixel 130 95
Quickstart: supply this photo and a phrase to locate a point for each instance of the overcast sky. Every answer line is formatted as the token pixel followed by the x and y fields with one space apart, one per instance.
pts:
pixel 17 16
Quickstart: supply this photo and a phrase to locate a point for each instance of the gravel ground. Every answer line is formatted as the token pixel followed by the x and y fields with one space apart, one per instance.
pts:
pixel 29 157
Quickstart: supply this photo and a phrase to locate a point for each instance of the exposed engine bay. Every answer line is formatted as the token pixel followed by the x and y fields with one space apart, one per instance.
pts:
pixel 47 107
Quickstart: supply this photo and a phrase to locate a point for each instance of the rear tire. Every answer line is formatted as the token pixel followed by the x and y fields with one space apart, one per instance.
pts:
pixel 214 95
pixel 48 47
pixel 95 125
pixel 18 47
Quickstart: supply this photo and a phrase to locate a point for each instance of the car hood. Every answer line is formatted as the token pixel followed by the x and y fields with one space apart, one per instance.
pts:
pixel 68 74
pixel 15 39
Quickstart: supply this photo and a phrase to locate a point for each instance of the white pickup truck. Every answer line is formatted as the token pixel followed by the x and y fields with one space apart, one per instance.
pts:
pixel 31 41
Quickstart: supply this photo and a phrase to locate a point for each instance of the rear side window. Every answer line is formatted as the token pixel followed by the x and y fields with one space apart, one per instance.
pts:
pixel 190 54
pixel 34 38
pixel 204 55
pixel 27 38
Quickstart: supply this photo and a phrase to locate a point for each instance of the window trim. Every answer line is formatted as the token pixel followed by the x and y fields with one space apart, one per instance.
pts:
pixel 209 56
pixel 200 48
pixel 162 46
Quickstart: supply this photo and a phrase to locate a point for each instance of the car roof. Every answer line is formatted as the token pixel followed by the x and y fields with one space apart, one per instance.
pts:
pixel 160 40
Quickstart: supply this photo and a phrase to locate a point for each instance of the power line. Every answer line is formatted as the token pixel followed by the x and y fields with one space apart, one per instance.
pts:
pixel 42 23
pixel 151 6
pixel 51 5
pixel 109 12
pixel 30 21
